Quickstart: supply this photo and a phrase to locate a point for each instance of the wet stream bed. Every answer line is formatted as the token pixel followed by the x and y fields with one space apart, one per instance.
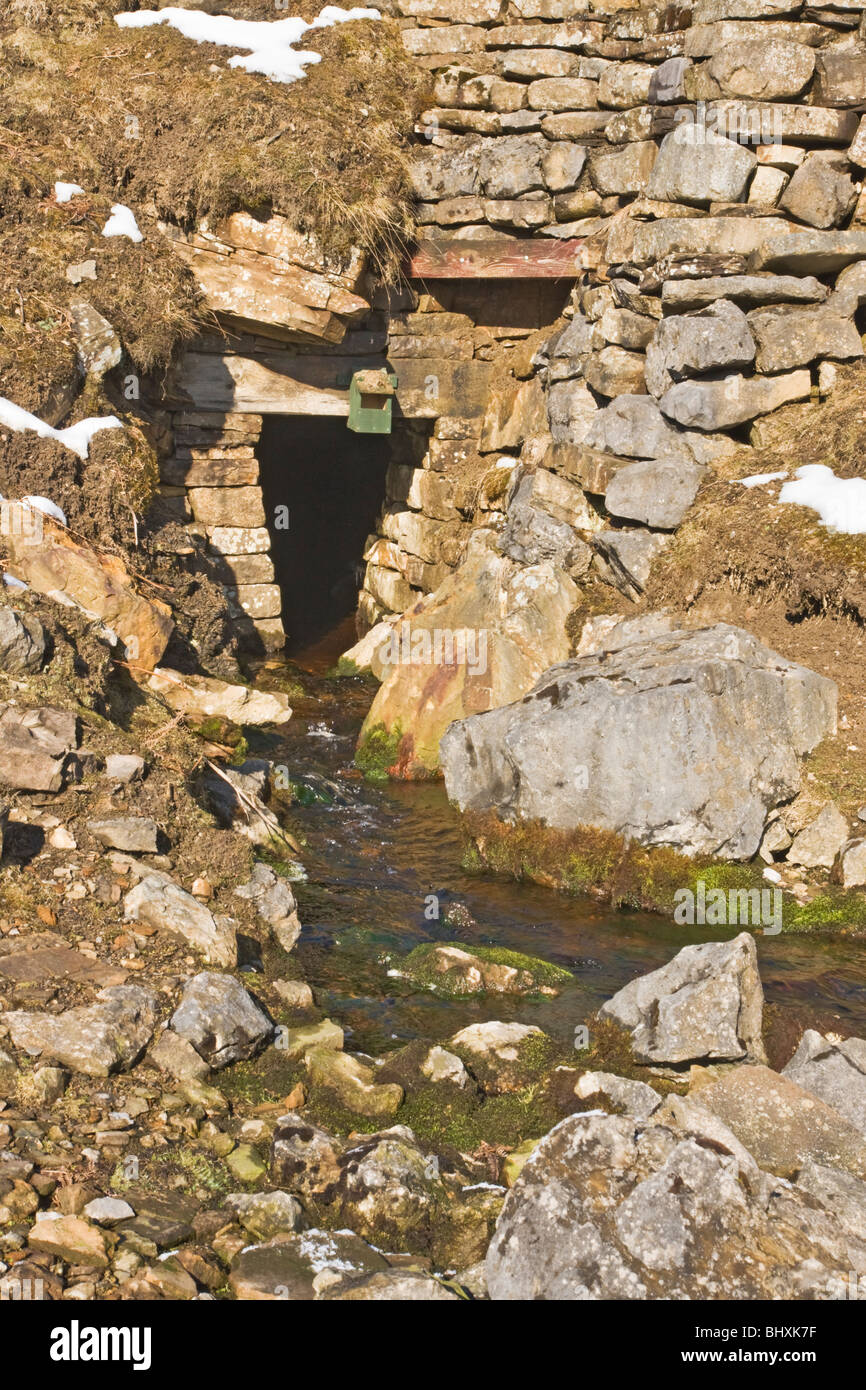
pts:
pixel 381 859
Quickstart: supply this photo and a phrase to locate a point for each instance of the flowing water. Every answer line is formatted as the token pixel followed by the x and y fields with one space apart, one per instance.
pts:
pixel 375 852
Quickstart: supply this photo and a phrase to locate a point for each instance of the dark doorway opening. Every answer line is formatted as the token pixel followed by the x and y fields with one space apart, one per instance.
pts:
pixel 332 482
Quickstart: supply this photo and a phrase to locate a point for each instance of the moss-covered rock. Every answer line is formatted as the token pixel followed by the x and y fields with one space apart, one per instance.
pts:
pixel 450 969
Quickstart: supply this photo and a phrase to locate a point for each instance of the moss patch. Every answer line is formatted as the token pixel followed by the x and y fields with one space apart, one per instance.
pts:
pixel 378 752
pixel 419 966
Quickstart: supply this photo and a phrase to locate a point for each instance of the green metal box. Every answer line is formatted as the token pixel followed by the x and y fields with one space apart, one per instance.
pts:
pixel 371 395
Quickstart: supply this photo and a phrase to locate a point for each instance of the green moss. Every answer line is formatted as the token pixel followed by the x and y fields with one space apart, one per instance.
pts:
pixel 597 862
pixel 345 667
pixel 827 912
pixel 378 752
pixel 417 965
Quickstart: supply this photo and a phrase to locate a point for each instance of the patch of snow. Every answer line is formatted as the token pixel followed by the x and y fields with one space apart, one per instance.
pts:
pixel 64 192
pixel 772 876
pixel 756 479
pixel 11 582
pixel 840 502
pixel 122 223
pixel 75 437
pixel 47 507
pixel 268 43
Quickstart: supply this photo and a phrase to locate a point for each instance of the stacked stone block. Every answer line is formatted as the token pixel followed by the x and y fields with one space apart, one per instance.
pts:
pixel 214 475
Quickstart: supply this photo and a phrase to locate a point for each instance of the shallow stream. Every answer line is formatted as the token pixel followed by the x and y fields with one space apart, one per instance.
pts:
pixel 375 852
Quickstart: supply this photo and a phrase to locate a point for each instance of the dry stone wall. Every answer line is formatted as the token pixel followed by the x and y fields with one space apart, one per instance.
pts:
pixel 707 162
pixel 700 169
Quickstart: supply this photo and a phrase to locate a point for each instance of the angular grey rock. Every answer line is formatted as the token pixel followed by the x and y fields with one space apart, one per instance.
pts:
pixel 791 337
pixel 743 289
pixel 295 1266
pixel 819 194
pixel 168 907
pixel 512 165
pixel 622 171
pixel 719 405
pixel 107 1211
pixel 221 1020
pixel 850 290
pixel 630 1097
pixel 177 1057
pixel 808 253
pixel 839 1193
pixel 35 745
pixel 817 845
pixel 124 767
pixel 274 902
pixel 835 1071
pixel 686 739
pixel 634 427
pixel 445 173
pixel 707 1003
pixel 763 69
pixel 850 867
pixel 96 1039
pixel 99 348
pixel 781 1124
pixel 688 345
pixel 607 1207
pixel 615 372
pixel 571 409
pixel 656 492
pixel 562 165
pixel 266 1214
pixel 531 535
pixel 841 80
pixel 695 165
pixel 134 834
pixel 666 83
pixel 625 558
pixel 22 642
pixel 304 1158
pixel 565 353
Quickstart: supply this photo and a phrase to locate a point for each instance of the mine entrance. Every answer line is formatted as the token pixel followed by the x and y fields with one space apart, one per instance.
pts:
pixel 322 487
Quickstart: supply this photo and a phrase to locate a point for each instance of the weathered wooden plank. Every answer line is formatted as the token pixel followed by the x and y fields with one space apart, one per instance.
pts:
pixel 536 258
pixel 283 383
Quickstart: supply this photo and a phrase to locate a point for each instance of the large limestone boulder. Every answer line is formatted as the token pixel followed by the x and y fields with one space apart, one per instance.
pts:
pixel 685 739
pixel 705 1003
pixel 609 1207
pixel 509 619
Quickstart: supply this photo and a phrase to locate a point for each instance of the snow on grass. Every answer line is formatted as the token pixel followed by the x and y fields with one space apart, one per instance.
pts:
pixel 75 437
pixel 269 43
pixel 63 192
pixel 840 502
pixel 757 479
pixel 122 223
